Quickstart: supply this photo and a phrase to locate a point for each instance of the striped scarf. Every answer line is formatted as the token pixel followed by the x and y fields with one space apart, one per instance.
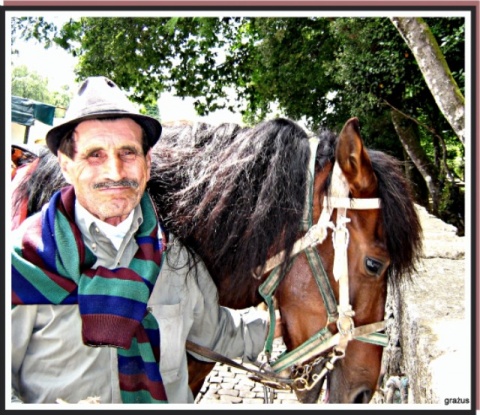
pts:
pixel 52 265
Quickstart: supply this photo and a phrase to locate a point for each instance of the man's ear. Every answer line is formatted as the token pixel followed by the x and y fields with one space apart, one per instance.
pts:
pixel 64 162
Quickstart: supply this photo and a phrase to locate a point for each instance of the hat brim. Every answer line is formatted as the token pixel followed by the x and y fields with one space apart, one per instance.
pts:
pixel 151 126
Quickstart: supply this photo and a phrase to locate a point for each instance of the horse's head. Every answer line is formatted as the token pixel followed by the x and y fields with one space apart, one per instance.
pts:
pixel 370 235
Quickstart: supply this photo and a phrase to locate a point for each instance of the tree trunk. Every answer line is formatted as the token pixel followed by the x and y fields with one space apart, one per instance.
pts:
pixel 405 130
pixel 435 70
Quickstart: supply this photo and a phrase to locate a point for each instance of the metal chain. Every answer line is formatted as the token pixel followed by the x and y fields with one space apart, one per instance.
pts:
pixel 301 375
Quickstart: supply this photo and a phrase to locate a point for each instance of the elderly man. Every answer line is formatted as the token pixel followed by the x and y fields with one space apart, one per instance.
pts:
pixel 103 296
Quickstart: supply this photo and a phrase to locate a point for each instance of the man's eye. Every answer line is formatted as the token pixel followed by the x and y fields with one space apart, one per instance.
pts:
pixel 95 155
pixel 128 154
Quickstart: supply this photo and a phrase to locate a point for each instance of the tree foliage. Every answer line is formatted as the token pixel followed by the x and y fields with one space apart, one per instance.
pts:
pixel 317 69
pixel 30 84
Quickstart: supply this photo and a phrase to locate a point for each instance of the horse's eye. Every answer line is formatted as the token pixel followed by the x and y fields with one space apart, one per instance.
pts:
pixel 373 266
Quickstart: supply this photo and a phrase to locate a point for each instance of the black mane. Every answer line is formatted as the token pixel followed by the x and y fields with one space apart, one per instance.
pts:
pixel 403 230
pixel 233 194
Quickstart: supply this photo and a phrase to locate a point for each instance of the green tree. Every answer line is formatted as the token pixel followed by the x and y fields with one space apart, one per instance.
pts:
pixel 203 58
pixel 321 70
pixel 384 85
pixel 30 84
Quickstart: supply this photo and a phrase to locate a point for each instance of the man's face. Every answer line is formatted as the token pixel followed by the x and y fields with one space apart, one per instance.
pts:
pixel 109 170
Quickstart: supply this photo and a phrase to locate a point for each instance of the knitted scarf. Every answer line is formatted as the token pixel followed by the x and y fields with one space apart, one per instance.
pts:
pixel 52 265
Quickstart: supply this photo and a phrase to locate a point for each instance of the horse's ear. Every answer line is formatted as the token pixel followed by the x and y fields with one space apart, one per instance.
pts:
pixel 354 160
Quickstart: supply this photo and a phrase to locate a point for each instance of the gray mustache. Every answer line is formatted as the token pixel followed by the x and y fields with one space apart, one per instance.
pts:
pixel 121 183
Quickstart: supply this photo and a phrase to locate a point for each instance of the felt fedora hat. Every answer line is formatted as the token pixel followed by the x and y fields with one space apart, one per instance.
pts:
pixel 97 98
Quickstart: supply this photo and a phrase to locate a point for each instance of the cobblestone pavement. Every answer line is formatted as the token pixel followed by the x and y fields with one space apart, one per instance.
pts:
pixel 229 385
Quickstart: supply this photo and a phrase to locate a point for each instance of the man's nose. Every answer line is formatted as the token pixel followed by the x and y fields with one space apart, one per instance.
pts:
pixel 114 168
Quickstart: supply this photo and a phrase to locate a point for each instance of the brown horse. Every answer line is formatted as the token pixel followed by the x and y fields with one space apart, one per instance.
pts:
pixel 243 200
pixel 319 224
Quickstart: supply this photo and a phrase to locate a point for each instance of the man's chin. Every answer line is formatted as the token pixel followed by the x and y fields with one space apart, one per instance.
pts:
pixel 114 215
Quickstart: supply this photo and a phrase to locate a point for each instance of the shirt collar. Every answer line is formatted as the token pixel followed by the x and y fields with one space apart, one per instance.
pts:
pixel 84 219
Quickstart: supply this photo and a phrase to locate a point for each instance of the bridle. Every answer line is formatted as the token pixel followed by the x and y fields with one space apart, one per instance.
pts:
pixel 341 313
pixel 301 376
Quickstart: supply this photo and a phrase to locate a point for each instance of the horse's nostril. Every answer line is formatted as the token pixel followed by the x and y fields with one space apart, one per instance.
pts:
pixel 363 396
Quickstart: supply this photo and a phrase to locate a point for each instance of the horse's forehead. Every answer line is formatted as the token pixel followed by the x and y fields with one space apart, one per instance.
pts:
pixel 368 222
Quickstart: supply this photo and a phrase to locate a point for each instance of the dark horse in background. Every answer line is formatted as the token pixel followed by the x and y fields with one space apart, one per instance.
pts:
pixel 239 197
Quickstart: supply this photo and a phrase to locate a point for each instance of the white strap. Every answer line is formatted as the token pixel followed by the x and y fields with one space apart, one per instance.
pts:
pixel 338 185
pixel 352 203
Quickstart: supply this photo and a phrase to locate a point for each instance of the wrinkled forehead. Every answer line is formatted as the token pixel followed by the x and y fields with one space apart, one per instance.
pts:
pixel 107 131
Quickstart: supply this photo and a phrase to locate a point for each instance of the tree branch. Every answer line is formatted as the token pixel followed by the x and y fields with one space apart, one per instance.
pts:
pixel 435 70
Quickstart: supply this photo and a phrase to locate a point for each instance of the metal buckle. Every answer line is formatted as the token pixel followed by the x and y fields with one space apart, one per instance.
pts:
pixel 345 325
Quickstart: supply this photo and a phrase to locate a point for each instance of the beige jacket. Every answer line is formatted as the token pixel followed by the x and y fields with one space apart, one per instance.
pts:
pixel 50 362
